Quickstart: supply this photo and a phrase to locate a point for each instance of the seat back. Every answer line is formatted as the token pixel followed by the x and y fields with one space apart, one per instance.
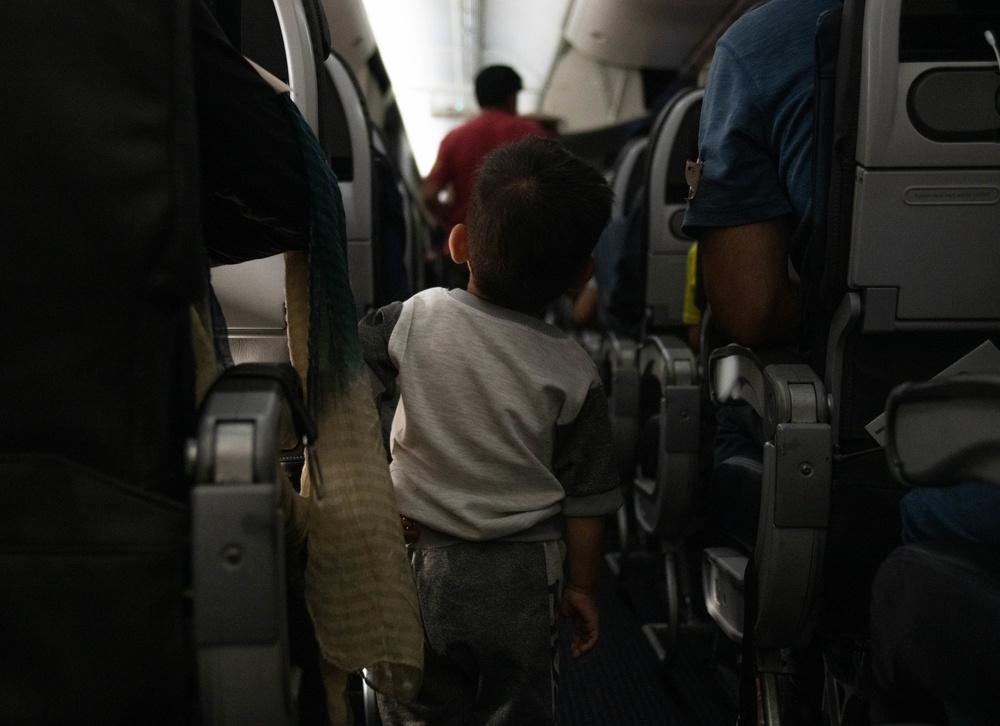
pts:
pixel 100 262
pixel 649 290
pixel 665 492
pixel 673 141
pixel 358 190
pixel 290 39
pixel 910 253
pixel 629 174
pixel 927 181
pixel 652 276
pixel 275 35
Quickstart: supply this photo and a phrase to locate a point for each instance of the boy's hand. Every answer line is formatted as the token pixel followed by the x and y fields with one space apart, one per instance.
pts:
pixel 580 606
pixel 411 529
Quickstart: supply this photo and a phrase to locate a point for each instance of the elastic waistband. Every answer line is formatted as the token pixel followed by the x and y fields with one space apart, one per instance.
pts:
pixel 546 531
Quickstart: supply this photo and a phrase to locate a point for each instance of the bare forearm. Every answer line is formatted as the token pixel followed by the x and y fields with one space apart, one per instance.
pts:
pixel 429 196
pixel 584 543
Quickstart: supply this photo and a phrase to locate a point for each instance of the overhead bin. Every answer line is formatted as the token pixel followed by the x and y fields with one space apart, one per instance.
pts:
pixel 641 33
pixel 586 94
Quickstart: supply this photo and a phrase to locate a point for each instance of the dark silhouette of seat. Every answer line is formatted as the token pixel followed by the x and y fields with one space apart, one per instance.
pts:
pixel 102 262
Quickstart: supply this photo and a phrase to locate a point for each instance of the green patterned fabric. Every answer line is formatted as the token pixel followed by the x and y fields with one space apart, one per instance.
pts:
pixel 358 585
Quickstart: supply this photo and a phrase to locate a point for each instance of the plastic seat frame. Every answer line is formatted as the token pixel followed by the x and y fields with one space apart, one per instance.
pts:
pixel 238 546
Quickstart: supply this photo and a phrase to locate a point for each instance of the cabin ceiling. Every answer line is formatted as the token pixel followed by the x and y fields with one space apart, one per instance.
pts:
pixel 448 41
pixel 432 49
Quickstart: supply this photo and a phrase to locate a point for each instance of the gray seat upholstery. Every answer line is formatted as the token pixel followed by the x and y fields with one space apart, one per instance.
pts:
pixel 629 174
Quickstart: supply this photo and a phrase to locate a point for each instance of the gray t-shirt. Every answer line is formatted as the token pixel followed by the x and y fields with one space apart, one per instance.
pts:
pixel 502 425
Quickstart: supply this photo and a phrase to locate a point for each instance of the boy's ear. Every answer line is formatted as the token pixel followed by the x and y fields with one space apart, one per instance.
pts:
pixel 458 244
pixel 584 277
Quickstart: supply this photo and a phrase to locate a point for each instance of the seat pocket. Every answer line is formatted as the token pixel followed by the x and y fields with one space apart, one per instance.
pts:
pixel 92 607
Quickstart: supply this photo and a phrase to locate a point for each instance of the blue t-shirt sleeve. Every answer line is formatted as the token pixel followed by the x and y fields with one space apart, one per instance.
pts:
pixel 739 182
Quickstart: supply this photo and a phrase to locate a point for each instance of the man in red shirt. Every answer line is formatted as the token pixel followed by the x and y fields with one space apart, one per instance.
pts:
pixel 463 148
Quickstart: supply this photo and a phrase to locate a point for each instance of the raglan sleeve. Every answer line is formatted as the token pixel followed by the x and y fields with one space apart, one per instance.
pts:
pixel 584 460
pixel 374 331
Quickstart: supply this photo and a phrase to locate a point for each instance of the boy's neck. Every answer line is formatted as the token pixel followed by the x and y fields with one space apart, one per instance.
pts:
pixel 473 289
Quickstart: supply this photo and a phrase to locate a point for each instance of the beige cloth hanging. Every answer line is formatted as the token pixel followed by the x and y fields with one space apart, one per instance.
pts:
pixel 358 585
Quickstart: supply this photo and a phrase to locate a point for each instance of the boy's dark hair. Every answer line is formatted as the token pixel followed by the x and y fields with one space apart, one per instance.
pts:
pixel 495 84
pixel 534 218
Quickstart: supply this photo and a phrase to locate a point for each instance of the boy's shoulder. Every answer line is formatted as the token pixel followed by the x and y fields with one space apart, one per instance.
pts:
pixel 465 304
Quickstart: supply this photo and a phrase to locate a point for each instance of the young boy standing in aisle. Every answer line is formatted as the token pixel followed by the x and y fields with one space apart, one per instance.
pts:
pixel 502 456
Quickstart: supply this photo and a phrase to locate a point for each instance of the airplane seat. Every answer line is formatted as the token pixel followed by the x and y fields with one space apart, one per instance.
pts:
pixel 886 301
pixel 102 262
pixel 99 264
pixel 290 39
pixel 663 351
pixel 353 128
pixel 615 353
pixel 622 248
pixel 658 371
pixel 666 492
pixel 628 174
pixel 934 630
pixel 392 228
pixel 627 177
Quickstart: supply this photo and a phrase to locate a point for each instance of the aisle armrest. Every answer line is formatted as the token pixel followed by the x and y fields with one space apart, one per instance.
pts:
pixel 238 547
pixel 618 356
pixel 796 485
pixel 664 502
pixel 780 387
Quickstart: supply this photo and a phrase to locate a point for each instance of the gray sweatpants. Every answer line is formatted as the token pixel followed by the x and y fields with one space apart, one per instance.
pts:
pixel 490 649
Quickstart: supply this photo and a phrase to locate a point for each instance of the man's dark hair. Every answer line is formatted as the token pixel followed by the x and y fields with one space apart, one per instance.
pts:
pixel 495 84
pixel 535 214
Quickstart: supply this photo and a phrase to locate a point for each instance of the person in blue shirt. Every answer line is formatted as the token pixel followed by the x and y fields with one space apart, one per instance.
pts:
pixel 750 208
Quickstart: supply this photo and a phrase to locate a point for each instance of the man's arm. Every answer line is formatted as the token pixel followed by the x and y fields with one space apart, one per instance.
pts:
pixel 584 539
pixel 745 268
pixel 429 191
